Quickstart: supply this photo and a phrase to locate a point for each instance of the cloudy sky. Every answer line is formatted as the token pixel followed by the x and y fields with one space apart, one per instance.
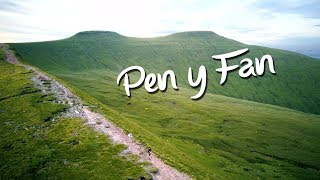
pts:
pixel 287 23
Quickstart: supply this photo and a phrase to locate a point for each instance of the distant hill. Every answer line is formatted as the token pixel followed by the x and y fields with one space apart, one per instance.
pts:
pixel 295 86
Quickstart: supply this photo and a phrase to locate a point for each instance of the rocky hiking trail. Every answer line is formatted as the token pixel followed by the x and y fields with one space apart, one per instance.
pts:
pixel 98 122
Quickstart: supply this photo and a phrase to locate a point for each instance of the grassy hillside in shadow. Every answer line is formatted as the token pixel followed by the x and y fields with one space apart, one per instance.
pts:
pixel 295 86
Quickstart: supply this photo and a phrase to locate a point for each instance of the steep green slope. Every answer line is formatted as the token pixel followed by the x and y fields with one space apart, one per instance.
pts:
pixel 33 148
pixel 217 137
pixel 295 86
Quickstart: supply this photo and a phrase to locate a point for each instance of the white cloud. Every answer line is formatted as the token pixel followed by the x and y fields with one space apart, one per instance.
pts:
pixel 243 21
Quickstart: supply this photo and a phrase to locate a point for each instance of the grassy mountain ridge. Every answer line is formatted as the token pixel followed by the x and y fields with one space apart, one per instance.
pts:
pixel 295 85
pixel 217 137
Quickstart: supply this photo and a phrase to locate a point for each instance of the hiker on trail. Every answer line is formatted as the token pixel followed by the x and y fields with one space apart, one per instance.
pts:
pixel 130 136
pixel 149 151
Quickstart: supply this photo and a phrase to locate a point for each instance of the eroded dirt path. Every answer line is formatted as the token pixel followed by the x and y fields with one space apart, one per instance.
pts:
pixel 117 135
pixel 98 122
pixel 11 58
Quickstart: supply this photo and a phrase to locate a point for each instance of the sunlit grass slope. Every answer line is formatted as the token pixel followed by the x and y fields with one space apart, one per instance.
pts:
pixel 32 147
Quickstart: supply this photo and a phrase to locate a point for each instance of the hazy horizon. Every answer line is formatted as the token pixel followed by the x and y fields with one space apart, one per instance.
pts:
pixel 289 24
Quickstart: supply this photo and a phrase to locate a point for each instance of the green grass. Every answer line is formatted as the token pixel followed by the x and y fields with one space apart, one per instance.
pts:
pixel 217 137
pixel 2 55
pixel 32 147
